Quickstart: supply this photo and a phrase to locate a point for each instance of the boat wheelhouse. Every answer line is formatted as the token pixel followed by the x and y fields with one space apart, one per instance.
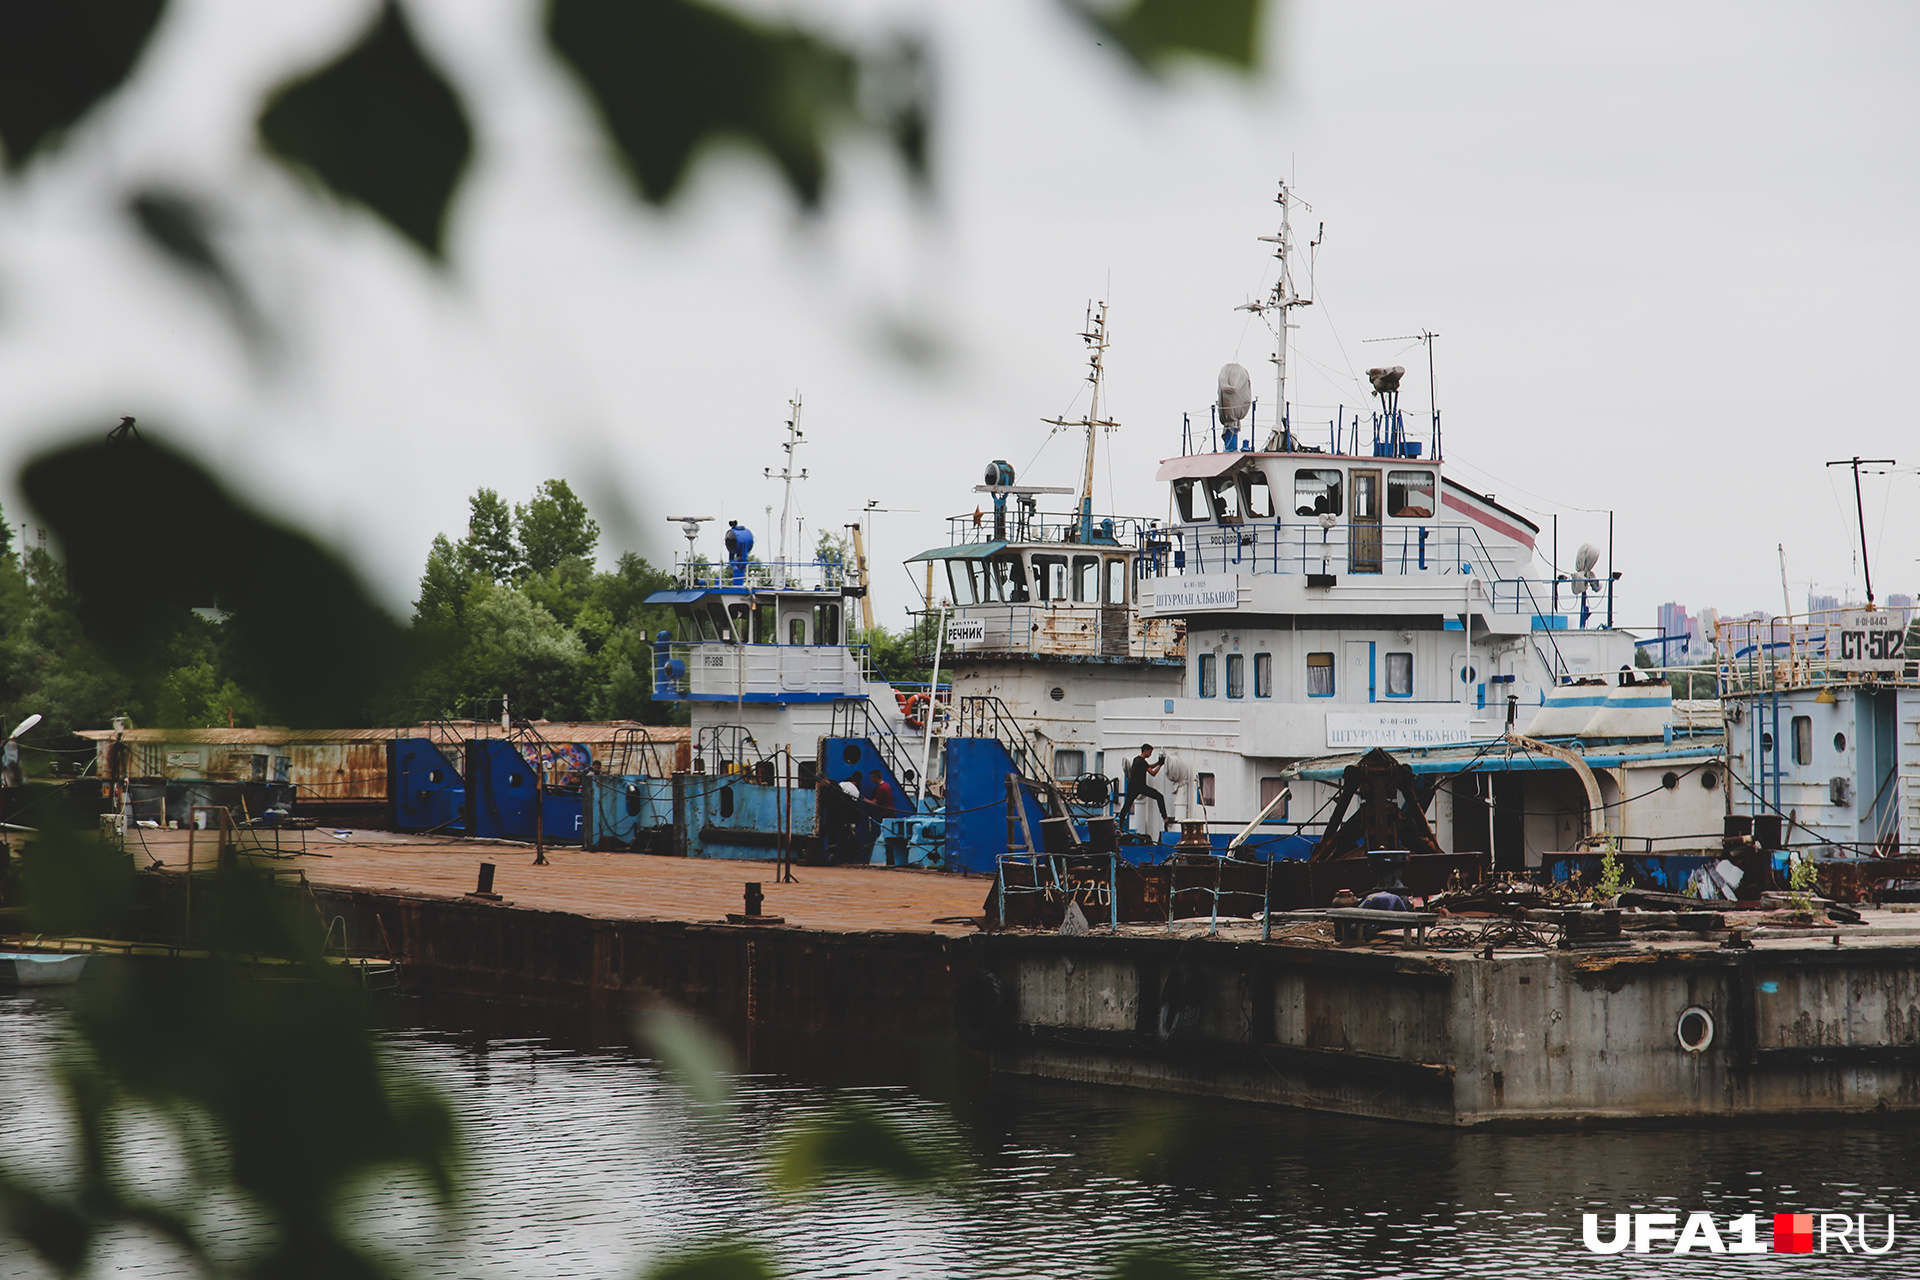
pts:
pixel 1042 609
pixel 1340 592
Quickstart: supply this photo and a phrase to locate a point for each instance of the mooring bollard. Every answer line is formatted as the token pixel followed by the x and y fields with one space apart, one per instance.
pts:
pixel 754 897
pixel 485 888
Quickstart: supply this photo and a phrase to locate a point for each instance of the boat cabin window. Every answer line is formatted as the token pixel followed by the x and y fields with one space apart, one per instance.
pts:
pixel 1410 494
pixel 1272 789
pixel 1116 579
pixel 1000 580
pixel 962 578
pixel 1050 577
pixel 1207 677
pixel 697 622
pixel 1320 675
pixel 1803 739
pixel 796 629
pixel 1366 498
pixel 1259 499
pixel 765 630
pixel 1226 497
pixel 1399 675
pixel 826 624
pixel 1069 764
pixel 1236 675
pixel 1316 492
pixel 1183 501
pixel 1263 675
pixel 740 622
pixel 1010 576
pixel 1086 579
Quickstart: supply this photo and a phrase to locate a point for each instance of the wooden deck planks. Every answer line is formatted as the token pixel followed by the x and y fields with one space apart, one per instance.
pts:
pixel 621 886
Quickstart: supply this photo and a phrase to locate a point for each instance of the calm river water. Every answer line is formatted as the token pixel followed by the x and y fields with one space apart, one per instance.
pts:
pixel 588 1160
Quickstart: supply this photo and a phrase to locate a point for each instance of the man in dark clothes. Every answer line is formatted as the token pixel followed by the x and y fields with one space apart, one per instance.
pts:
pixel 881 797
pixel 838 817
pixel 1138 770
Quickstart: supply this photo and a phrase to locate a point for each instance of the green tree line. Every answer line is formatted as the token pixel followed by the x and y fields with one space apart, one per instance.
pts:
pixel 517 609
pixel 514 608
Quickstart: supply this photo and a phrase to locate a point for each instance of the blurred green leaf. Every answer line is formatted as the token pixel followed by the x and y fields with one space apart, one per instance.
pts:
pixel 1155 1264
pixel 305 638
pixel 669 75
pixel 1154 30
pixel 60 57
pixel 178 225
pixel 720 1262
pixel 60 1234
pixel 851 1140
pixel 71 882
pixel 379 125
pixel 689 1049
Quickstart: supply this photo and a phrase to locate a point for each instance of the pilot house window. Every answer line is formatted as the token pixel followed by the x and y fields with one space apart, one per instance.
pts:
pixel 1410 494
pixel 1086 579
pixel 1316 492
pixel 1050 577
pixel 1259 500
pixel 1236 675
pixel 1226 497
pixel 1208 680
pixel 1183 500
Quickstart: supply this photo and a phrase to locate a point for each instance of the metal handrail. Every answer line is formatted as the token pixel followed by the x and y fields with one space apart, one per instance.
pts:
pixel 986 716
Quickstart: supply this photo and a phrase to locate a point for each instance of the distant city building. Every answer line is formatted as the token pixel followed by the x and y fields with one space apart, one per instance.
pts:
pixel 1821 604
pixel 1679 635
pixel 1901 604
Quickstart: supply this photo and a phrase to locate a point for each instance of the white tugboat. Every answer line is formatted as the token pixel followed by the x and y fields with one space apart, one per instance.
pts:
pixel 1041 609
pixel 1341 592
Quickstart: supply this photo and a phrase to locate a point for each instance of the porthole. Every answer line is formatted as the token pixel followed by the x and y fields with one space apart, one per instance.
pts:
pixel 726 802
pixel 1766 742
pixel 1058 693
pixel 516 779
pixel 1669 779
pixel 852 754
pixel 1709 779
pixel 1694 1029
pixel 435 775
pixel 1467 675
pixel 1839 742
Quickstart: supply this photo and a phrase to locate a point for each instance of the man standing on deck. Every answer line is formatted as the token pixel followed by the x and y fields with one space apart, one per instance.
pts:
pixel 1138 770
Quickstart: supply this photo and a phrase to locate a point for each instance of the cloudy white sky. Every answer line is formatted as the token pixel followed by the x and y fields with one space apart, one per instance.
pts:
pixel 1670 251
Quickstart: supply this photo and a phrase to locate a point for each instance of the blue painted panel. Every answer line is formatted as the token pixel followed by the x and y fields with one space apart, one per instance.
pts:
pixel 621 812
pixel 714 806
pixel 427 789
pixel 977 770
pixel 1667 873
pixel 502 793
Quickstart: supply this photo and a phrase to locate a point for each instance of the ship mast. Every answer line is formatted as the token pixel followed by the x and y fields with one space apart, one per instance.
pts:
pixel 787 475
pixel 1280 300
pixel 1095 336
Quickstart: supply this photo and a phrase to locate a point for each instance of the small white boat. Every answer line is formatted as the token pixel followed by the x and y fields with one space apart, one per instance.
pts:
pixel 29 970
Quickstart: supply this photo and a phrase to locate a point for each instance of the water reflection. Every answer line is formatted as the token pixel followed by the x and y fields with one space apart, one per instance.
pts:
pixel 587 1160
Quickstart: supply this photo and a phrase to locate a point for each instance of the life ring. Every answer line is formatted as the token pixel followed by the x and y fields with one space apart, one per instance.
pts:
pixel 915 711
